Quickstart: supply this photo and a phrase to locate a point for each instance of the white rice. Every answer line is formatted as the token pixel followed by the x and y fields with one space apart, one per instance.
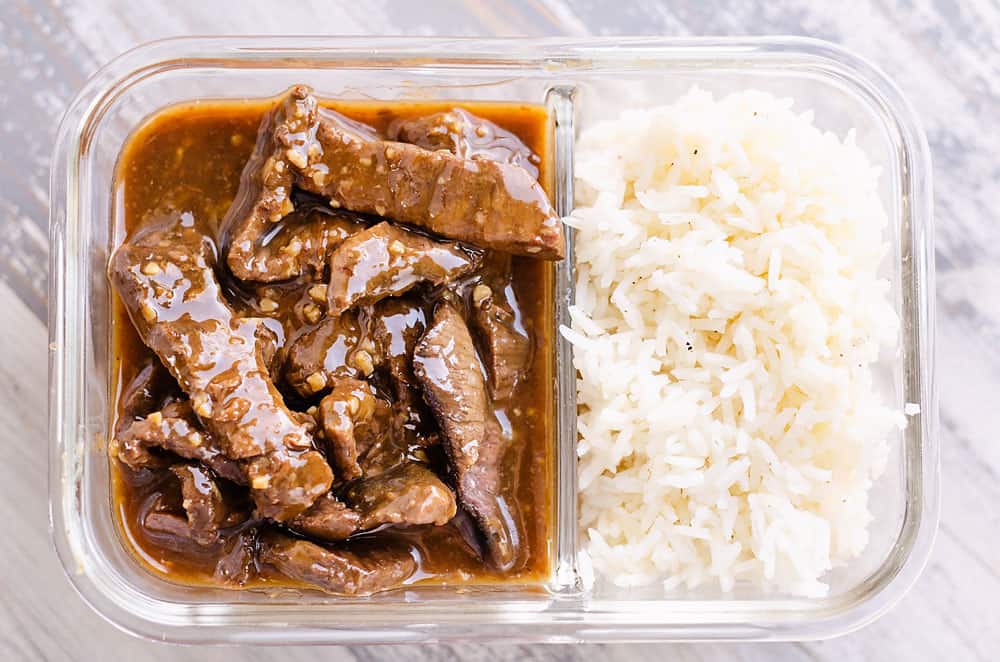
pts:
pixel 727 315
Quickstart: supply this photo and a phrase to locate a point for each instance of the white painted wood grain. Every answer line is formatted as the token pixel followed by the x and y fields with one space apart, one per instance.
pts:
pixel 944 54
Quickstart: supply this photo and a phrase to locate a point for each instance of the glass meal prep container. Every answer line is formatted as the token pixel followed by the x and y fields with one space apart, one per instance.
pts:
pixel 579 82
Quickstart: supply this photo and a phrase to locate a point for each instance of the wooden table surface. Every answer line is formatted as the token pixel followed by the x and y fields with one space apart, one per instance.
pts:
pixel 945 56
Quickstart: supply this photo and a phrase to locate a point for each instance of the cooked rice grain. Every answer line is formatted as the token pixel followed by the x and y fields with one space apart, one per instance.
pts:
pixel 727 316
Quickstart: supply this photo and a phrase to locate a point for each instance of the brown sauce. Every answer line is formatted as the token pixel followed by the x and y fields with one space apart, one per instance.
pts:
pixel 189 159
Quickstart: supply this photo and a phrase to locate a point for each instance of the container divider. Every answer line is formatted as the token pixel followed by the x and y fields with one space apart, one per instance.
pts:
pixel 561 100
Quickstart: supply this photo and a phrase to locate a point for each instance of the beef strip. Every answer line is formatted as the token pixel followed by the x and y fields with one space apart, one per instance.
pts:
pixel 466 136
pixel 172 530
pixel 329 519
pixel 489 204
pixel 145 393
pixel 258 245
pixel 336 571
pixel 378 425
pixel 270 341
pixel 385 439
pixel 283 485
pixel 237 559
pixel 174 429
pixel 203 500
pixel 318 358
pixel 484 493
pixel 349 403
pixel 445 364
pixel 300 243
pixel 397 325
pixel 165 278
pixel 409 493
pixel 367 434
pixel 378 440
pixel 386 260
pixel 505 345
pixel 206 509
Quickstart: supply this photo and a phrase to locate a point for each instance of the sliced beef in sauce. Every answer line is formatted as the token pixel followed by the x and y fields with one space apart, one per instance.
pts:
pixel 325 153
pixel 145 393
pixel 388 438
pixel 409 493
pixel 218 363
pixel 386 260
pixel 324 354
pixel 396 326
pixel 369 282
pixel 300 243
pixel 435 190
pixel 335 570
pixel 165 278
pixel 328 519
pixel 206 510
pixel 237 560
pixel 351 402
pixel 270 340
pixel 285 484
pixel 445 364
pixel 377 427
pixel 505 345
pixel 264 195
pixel 466 136
pixel 174 429
pixel 381 432
pixel 484 489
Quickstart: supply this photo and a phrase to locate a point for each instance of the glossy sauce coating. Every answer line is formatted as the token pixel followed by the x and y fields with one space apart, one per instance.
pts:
pixel 188 159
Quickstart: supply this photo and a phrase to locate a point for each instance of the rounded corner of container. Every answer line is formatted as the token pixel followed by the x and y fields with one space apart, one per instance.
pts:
pixel 867 612
pixel 100 597
pixel 93 595
pixel 864 74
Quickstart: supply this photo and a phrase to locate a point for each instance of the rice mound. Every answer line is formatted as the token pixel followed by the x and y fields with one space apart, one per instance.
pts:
pixel 728 312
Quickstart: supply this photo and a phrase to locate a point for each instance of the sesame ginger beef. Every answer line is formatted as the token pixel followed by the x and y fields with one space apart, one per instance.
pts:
pixel 408 494
pixel 206 512
pixel 174 429
pixel 466 136
pixel 386 260
pixel 326 353
pixel 164 276
pixel 335 570
pixel 487 203
pixel 446 366
pixel 397 325
pixel 504 343
pixel 336 373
